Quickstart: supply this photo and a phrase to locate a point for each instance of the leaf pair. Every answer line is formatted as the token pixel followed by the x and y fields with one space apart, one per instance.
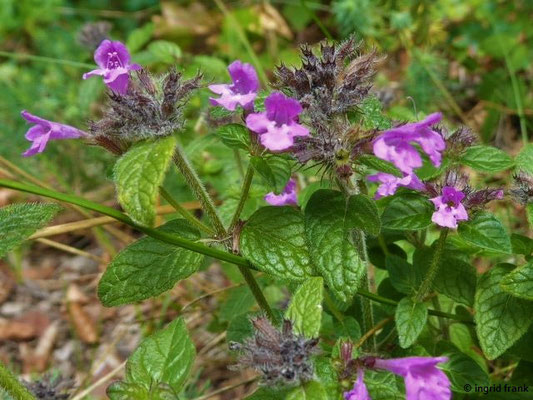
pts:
pixel 288 244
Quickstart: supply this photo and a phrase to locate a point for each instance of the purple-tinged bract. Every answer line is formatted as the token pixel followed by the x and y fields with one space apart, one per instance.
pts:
pixel 286 198
pixel 423 380
pixel 449 209
pixel 390 183
pixel 278 125
pixel 44 130
pixel 359 391
pixel 242 92
pixel 396 144
pixel 113 58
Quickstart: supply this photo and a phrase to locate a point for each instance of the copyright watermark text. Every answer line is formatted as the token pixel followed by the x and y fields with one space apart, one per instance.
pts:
pixel 496 388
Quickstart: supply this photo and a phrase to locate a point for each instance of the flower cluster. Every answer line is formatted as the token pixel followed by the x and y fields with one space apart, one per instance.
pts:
pixel 332 83
pixel 281 356
pixel 48 388
pixel 328 86
pixel 151 107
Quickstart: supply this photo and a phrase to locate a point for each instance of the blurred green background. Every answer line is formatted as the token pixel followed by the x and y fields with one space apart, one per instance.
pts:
pixel 468 58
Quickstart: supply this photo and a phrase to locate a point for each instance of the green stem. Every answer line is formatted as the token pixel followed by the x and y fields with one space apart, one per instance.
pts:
pixel 32 57
pixel 12 386
pixel 332 307
pixel 244 196
pixel 425 287
pixel 111 212
pixel 257 292
pixel 184 213
pixel 199 190
pixel 176 240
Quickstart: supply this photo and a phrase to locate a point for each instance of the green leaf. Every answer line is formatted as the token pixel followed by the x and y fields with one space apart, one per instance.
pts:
pixel 378 164
pixel 524 159
pixel 19 221
pixel 139 37
pixel 273 239
pixel 275 171
pixel 159 366
pixel 519 282
pixel 521 244
pixel 410 318
pixel 457 280
pixel 486 232
pixel 463 370
pixel 373 114
pixel 486 159
pixel 363 213
pixel 329 235
pixel 305 310
pixel 165 51
pixel 501 319
pixel 407 212
pixel 401 273
pixel 138 175
pixel 149 267
pixel 235 136
pixel 382 385
pixel 309 391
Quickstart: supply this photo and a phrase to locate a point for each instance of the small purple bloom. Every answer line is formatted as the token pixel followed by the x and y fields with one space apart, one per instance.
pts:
pixel 390 183
pixel 243 91
pixel 423 380
pixel 395 145
pixel 113 58
pixel 285 198
pixel 44 130
pixel 449 208
pixel 359 391
pixel 278 125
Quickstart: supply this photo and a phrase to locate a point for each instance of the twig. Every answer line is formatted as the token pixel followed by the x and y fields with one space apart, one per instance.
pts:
pixel 70 249
pixel 99 382
pixel 373 331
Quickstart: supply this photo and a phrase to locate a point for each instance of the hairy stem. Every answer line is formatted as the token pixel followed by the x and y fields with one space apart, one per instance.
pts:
pixel 199 190
pixel 244 196
pixel 425 287
pixel 183 212
pixel 12 386
pixel 256 291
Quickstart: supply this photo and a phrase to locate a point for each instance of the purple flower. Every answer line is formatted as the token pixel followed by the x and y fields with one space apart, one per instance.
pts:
pixel 243 90
pixel 449 208
pixel 390 183
pixel 423 380
pixel 395 145
pixel 278 125
pixel 113 59
pixel 285 198
pixel 359 391
pixel 44 130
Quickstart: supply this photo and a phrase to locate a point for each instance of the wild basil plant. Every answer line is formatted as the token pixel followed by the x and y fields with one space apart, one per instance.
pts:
pixel 370 225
